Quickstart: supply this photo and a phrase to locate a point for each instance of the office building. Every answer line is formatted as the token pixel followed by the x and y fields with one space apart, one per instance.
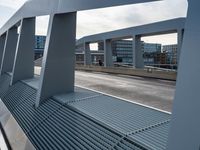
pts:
pixel 171 51
pixel 122 51
pixel 39 46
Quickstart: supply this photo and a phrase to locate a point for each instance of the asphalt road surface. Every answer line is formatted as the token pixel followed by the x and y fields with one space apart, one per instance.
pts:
pixel 152 92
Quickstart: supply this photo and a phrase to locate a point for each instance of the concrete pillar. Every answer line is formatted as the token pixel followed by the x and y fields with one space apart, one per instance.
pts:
pixel 2 45
pixel 87 55
pixel 185 124
pixel 58 66
pixel 180 33
pixel 24 59
pixel 138 60
pixel 108 60
pixel 9 50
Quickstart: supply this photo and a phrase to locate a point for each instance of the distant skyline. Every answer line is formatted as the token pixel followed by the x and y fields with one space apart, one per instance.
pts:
pixel 108 19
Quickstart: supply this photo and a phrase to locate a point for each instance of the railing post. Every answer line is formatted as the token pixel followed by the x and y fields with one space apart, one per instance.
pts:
pixel 24 59
pixel 108 61
pixel 2 45
pixel 180 33
pixel 185 133
pixel 138 60
pixel 58 66
pixel 9 50
pixel 87 55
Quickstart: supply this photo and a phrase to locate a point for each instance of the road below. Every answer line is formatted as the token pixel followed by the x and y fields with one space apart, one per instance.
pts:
pixel 152 92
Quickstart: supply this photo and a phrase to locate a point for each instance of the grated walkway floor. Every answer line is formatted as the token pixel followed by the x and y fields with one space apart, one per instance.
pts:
pixel 84 120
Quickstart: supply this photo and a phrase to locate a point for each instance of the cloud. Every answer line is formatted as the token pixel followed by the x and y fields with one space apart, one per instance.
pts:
pixel 8 8
pixel 108 19
pixel 15 4
pixel 96 21
pixel 6 12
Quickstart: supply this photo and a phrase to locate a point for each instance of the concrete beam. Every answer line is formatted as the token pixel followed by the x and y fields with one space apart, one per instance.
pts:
pixel 34 8
pixel 108 60
pixel 9 50
pixel 185 133
pixel 157 28
pixel 138 60
pixel 57 74
pixel 24 59
pixel 87 55
pixel 2 45
pixel 180 33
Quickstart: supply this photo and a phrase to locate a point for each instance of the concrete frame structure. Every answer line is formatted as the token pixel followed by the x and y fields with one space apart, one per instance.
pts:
pixel 59 65
pixel 157 28
pixel 185 133
pixel 24 66
pixel 108 53
pixel 138 61
pixel 87 55
pixel 180 34
pixel 55 66
pixel 9 50
pixel 2 44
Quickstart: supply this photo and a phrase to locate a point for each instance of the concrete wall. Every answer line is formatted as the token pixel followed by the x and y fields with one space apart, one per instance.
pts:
pixel 129 71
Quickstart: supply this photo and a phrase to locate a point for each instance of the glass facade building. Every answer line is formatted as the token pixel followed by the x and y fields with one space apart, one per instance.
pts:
pixel 40 42
pixel 171 51
pixel 39 46
pixel 123 51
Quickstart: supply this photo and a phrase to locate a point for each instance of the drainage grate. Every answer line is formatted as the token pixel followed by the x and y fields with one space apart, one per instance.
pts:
pixel 4 84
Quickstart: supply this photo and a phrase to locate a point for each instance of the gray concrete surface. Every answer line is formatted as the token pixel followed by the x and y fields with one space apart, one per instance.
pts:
pixel 152 92
pixel 150 73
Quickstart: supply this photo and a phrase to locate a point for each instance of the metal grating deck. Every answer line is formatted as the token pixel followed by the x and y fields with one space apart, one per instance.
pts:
pixel 124 116
pixel 155 138
pixel 4 84
pixel 78 95
pixel 86 120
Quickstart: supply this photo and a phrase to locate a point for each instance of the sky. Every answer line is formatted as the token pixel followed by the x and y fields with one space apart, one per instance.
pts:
pixel 109 19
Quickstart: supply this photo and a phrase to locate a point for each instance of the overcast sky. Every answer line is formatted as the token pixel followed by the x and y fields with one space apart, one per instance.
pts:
pixel 108 19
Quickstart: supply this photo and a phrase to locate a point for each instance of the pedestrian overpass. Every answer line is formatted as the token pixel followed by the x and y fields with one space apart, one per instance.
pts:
pixel 53 114
pixel 136 33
